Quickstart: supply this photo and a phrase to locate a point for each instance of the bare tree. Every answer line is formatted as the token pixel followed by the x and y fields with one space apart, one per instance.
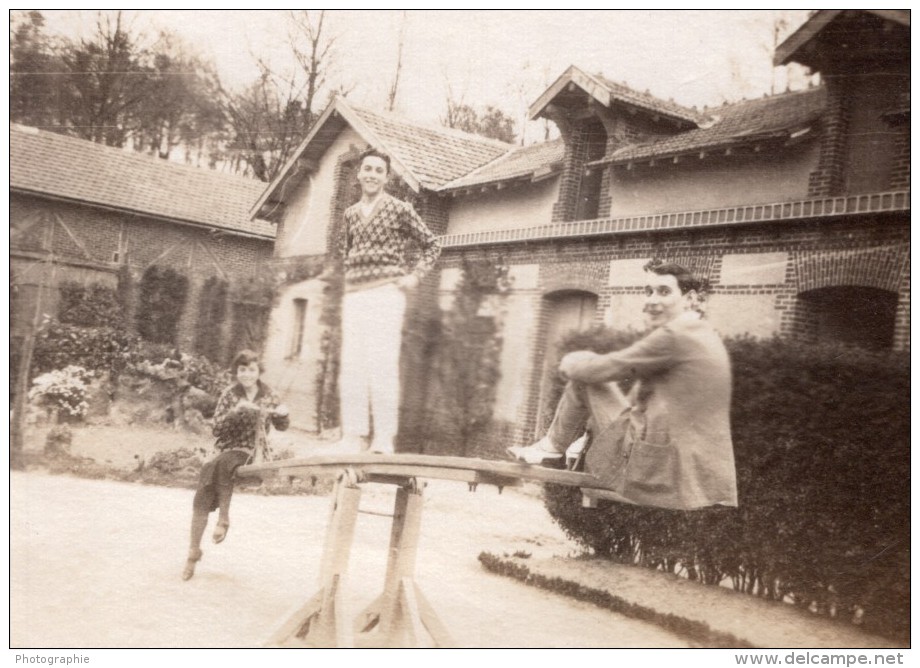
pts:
pixel 457 113
pixel 313 52
pixel 274 113
pixel 394 87
pixel 265 121
pixel 526 87
pixel 793 74
pixel 780 26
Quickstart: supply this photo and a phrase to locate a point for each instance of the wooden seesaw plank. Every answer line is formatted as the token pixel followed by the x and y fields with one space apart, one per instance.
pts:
pixel 467 469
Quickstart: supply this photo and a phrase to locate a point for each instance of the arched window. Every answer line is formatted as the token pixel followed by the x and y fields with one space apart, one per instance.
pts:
pixel 849 314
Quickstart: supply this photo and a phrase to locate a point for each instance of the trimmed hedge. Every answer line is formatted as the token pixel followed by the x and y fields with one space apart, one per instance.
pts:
pixel 163 292
pixel 212 308
pixel 822 448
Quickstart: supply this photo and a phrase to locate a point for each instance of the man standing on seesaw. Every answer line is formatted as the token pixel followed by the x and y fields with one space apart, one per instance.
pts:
pixel 669 443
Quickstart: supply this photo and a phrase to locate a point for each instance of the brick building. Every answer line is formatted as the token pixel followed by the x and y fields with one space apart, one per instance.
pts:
pixel 85 213
pixel 796 207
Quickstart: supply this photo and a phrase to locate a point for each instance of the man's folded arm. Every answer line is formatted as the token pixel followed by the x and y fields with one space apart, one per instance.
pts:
pixel 652 353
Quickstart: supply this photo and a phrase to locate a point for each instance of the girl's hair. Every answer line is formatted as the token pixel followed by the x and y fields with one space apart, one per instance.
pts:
pixel 245 358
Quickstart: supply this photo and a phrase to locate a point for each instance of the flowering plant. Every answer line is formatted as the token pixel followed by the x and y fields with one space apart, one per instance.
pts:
pixel 193 370
pixel 62 389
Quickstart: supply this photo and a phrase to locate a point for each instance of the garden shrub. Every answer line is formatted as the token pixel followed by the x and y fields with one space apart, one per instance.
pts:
pixel 58 441
pixel 88 331
pixel 189 384
pixel 183 461
pixel 822 449
pixel 58 345
pixel 89 306
pixel 185 369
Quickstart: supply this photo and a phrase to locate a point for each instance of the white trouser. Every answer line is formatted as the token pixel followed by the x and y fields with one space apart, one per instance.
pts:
pixel 372 323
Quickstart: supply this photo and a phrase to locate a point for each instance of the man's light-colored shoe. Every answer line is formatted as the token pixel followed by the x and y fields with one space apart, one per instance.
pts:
pixel 539 453
pixel 574 452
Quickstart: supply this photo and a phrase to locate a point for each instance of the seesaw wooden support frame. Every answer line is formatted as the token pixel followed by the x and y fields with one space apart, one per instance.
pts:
pixel 400 616
pixel 322 622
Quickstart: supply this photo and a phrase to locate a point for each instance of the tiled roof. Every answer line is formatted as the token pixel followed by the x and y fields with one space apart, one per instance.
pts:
pixel 733 124
pixel 649 102
pixel 434 155
pixel 50 164
pixel 520 162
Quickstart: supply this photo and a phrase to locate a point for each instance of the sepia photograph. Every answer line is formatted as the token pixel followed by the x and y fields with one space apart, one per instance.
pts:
pixel 581 329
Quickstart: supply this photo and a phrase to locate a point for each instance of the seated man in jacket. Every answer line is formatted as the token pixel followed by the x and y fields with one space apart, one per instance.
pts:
pixel 669 443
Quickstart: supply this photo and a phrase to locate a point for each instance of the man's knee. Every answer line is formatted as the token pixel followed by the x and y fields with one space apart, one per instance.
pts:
pixel 578 390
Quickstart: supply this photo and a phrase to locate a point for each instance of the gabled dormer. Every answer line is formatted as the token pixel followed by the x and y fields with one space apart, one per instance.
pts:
pixel 596 116
pixel 864 60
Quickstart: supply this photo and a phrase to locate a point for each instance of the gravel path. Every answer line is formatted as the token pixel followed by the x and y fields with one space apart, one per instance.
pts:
pixel 97 563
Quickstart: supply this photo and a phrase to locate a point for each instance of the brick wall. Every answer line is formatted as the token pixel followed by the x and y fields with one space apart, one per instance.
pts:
pixel 434 210
pixel 575 136
pixel 902 314
pixel 605 201
pixel 828 177
pixel 345 193
pixel 84 235
pixel 900 169
pixel 863 252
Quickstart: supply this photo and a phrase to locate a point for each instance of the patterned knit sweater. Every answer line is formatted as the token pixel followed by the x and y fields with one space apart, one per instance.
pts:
pixel 236 430
pixel 389 243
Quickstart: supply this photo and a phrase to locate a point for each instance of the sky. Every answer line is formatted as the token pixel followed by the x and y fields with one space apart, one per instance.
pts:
pixel 499 57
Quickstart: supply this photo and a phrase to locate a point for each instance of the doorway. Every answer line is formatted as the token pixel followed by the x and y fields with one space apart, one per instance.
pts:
pixel 567 312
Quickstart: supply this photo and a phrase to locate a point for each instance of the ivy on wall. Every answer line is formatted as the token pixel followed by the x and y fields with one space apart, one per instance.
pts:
pixel 466 359
pixel 162 296
pixel 212 308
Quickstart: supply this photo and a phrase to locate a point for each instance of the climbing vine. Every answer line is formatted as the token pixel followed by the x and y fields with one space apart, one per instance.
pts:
pixel 212 307
pixel 163 293
pixel 467 358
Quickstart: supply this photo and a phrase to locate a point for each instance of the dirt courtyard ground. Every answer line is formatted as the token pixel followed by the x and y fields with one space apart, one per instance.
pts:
pixel 96 563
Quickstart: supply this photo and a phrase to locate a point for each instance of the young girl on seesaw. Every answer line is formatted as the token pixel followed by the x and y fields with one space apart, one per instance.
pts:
pixel 245 413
